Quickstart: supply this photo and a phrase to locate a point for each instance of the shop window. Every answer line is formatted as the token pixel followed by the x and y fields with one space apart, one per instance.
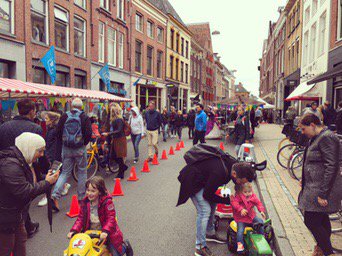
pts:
pixel 80 37
pixel 149 60
pixel 121 49
pixel 101 41
pixel 138 62
pixel 121 8
pixel 62 79
pixel 61 29
pixel 7 16
pixel 150 28
pixel 39 21
pixel 4 70
pixel 80 82
pixel 112 46
pixel 159 64
pixel 139 22
pixel 160 34
pixel 81 3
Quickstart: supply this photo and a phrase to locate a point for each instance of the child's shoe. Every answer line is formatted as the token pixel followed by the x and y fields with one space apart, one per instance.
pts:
pixel 240 247
pixel 129 249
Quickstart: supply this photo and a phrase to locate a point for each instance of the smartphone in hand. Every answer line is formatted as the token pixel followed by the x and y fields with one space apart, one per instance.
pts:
pixel 56 166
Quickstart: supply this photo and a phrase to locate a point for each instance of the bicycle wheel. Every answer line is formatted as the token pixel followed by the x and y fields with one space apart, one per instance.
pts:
pixel 296 165
pixel 92 167
pixel 112 165
pixel 284 142
pixel 284 154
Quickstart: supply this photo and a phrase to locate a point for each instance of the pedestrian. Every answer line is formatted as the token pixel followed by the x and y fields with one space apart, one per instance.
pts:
pixel 190 121
pixel 97 212
pixel 329 115
pixel 339 119
pixel 73 133
pixel 153 123
pixel 313 109
pixel 200 181
pixel 137 131
pixel 321 192
pixel 24 122
pixel 172 122
pixel 290 115
pixel 200 125
pixel 244 215
pixel 95 129
pixel 166 121
pixel 18 187
pixel 253 122
pixel 241 131
pixel 179 123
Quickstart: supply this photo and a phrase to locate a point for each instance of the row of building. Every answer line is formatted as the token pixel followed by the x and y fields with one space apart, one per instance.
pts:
pixel 304 46
pixel 152 54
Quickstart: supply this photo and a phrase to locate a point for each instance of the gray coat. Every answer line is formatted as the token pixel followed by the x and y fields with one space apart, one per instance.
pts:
pixel 322 174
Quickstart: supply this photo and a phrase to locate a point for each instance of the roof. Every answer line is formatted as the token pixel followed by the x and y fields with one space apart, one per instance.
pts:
pixel 166 8
pixel 201 33
pixel 240 88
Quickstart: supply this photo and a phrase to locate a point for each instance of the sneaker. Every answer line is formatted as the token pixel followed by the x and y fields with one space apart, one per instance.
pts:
pixel 42 202
pixel 240 247
pixel 129 250
pixel 216 239
pixel 54 205
pixel 135 161
pixel 33 229
pixel 317 251
pixel 66 189
pixel 204 251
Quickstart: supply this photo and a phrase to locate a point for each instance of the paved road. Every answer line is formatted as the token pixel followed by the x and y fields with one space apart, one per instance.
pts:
pixel 147 214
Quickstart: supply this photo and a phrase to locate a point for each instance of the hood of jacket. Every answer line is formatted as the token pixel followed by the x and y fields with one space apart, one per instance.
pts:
pixel 136 110
pixel 11 152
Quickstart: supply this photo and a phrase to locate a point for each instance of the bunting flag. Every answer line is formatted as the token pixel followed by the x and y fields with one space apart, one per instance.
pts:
pixel 8 104
pixel 91 106
pixel 52 101
pixel 63 101
pixel 45 102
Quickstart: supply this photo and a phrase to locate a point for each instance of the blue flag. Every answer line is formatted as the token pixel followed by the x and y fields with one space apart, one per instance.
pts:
pixel 49 62
pixel 105 76
pixel 136 82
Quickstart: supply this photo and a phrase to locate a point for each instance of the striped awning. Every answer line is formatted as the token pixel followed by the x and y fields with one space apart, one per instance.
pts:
pixel 10 88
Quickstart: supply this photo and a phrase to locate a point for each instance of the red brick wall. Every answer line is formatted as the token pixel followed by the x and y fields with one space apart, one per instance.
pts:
pixel 334 25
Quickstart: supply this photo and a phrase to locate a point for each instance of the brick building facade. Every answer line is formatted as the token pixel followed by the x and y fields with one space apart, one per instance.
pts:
pixel 197 76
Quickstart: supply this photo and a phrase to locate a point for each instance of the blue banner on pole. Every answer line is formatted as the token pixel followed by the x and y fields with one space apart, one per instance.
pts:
pixel 105 76
pixel 49 62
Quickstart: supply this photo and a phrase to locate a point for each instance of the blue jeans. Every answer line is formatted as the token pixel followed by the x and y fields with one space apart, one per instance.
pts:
pixel 165 131
pixel 70 158
pixel 241 228
pixel 205 218
pixel 114 252
pixel 136 138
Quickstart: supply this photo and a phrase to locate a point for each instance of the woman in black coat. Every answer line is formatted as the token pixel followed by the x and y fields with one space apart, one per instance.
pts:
pixel 190 121
pixel 179 123
pixel 321 192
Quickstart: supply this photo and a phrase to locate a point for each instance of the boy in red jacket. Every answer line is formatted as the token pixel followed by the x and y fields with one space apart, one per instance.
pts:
pixel 244 215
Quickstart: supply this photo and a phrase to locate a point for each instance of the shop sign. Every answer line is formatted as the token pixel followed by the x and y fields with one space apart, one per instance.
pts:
pixel 148 82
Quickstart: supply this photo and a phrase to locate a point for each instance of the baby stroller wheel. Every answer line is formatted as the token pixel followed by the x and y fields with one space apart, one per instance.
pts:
pixel 217 223
pixel 231 238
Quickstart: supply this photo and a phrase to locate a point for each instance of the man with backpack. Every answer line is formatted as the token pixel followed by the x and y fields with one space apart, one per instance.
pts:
pixel 74 133
pixel 207 169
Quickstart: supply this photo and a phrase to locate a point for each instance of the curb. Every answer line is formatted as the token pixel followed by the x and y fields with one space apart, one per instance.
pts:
pixel 282 245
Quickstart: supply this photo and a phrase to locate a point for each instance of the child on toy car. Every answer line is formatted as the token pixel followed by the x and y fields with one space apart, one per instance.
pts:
pixel 243 203
pixel 97 212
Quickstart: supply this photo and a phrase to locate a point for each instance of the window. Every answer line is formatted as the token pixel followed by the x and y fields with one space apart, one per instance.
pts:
pixel 171 67
pixel 159 64
pixel 81 3
pixel 80 82
pixel 313 43
pixel 339 32
pixel 61 29
pixel 307 15
pixel 104 4
pixel 111 46
pixel 187 50
pixel 62 79
pixel 138 48
pixel 297 54
pixel 39 21
pixel 7 16
pixel 322 29
pixel 121 50
pixel 177 43
pixel 314 7
pixel 160 34
pixel 182 72
pixel 101 41
pixel 177 69
pixel 150 29
pixel 139 22
pixel 182 46
pixel 40 76
pixel 121 9
pixel 186 73
pixel 149 60
pixel 79 37
pixel 306 48
pixel 172 39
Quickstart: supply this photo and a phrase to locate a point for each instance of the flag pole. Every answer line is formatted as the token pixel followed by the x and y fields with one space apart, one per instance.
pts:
pixel 97 73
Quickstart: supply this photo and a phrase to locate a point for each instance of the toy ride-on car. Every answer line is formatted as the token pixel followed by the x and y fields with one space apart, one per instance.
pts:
pixel 255 244
pixel 87 244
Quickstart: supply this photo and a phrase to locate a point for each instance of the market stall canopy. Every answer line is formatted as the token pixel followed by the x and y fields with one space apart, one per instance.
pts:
pixel 265 104
pixel 241 100
pixel 10 88
pixel 334 72
pixel 305 92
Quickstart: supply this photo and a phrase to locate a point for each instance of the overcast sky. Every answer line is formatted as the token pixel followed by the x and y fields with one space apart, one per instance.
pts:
pixel 243 25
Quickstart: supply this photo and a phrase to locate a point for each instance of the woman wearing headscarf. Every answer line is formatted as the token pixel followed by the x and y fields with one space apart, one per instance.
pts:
pixel 18 187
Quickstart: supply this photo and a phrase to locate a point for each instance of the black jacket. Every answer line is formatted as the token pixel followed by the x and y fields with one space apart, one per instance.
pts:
pixel 17 189
pixel 153 120
pixel 179 121
pixel 12 129
pixel 208 174
pixel 339 121
pixel 190 120
pixel 86 128
pixel 118 128
pixel 166 118
pixel 51 145
pixel 329 116
pixel 241 130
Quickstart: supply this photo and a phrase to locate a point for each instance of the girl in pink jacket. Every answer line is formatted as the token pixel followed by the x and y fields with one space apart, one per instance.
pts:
pixel 243 203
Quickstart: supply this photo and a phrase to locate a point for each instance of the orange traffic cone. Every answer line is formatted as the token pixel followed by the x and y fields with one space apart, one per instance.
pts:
pixel 177 147
pixel 74 208
pixel 117 188
pixel 155 160
pixel 164 156
pixel 146 168
pixel 222 146
pixel 133 175
pixel 181 144
pixel 171 152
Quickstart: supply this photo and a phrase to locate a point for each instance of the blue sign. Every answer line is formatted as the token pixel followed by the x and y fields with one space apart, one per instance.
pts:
pixel 49 62
pixel 105 76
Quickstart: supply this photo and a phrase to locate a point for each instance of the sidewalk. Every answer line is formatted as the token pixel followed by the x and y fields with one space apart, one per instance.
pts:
pixel 283 193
